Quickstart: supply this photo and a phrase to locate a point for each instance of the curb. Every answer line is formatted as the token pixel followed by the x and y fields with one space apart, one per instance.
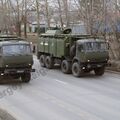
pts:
pixel 112 71
pixel 4 115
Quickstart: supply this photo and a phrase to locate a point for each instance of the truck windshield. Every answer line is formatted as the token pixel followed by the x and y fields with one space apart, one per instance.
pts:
pixel 16 49
pixel 96 46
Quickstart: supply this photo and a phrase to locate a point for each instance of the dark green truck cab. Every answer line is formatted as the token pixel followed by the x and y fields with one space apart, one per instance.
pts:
pixel 16 59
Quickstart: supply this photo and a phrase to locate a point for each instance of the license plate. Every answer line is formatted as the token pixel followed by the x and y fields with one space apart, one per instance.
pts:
pixel 20 71
pixel 99 65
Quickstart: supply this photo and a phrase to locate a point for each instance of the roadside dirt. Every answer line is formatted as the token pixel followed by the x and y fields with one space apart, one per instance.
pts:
pixel 4 115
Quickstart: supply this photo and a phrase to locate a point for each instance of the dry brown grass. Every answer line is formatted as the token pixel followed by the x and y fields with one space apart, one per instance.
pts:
pixel 31 37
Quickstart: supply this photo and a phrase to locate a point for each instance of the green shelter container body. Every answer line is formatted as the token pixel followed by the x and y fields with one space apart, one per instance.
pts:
pixel 55 43
pixel 54 46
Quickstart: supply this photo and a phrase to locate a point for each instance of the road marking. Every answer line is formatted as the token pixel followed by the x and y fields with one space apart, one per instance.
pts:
pixel 70 110
pixel 46 98
pixel 60 81
pixel 53 101
pixel 61 105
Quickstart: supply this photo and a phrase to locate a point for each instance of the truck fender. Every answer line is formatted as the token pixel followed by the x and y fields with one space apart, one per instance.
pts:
pixel 75 60
pixel 72 51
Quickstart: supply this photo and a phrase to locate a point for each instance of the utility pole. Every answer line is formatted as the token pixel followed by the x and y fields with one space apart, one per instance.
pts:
pixel 60 12
pixel 104 6
pixel 116 12
pixel 38 17
pixel 18 23
pixel 66 12
pixel 91 16
pixel 47 13
pixel 87 4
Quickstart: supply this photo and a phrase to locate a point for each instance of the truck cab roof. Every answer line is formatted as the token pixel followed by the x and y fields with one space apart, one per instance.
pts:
pixel 10 38
pixel 90 40
pixel 13 43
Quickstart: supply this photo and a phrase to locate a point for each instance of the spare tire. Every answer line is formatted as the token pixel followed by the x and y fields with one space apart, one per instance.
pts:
pixel 72 51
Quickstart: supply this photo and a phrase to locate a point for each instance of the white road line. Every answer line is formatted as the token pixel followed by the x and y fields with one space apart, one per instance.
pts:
pixel 61 81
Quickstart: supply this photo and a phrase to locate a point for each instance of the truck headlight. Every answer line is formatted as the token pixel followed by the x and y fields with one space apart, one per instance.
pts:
pixel 2 74
pixel 83 68
pixel 6 66
pixel 30 65
pixel 88 60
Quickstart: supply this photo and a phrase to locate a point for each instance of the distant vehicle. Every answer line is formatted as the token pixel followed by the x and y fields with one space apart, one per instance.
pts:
pixel 9 38
pixel 15 38
pixel 77 53
pixel 16 59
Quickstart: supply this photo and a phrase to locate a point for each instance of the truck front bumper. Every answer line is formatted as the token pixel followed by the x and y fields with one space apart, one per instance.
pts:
pixel 93 65
pixel 12 71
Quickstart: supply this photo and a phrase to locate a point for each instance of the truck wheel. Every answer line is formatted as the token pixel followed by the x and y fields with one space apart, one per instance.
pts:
pixel 26 77
pixel 49 62
pixel 42 61
pixel 99 71
pixel 1 77
pixel 77 72
pixel 66 67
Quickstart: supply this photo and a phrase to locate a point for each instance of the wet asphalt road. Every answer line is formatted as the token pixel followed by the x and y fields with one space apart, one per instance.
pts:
pixel 52 95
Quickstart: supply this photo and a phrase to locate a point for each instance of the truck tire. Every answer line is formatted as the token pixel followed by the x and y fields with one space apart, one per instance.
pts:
pixel 26 77
pixel 49 62
pixel 1 78
pixel 42 61
pixel 76 71
pixel 99 71
pixel 72 51
pixel 66 67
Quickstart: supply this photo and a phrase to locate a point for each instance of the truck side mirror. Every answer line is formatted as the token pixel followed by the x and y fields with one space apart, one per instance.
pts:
pixel 34 49
pixel 108 46
pixel 67 44
pixel 0 52
pixel 80 48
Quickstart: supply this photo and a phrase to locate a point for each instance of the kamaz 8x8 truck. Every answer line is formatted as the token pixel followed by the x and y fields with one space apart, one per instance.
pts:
pixel 16 58
pixel 78 54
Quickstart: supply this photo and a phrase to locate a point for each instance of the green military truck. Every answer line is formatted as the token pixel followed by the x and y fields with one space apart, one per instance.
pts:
pixel 78 54
pixel 16 59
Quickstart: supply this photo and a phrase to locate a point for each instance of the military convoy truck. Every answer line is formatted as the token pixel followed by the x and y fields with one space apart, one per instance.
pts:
pixel 16 58
pixel 78 54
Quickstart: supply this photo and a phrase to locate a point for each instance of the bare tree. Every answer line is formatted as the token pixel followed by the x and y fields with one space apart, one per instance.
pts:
pixel 47 13
pixel 16 15
pixel 25 18
pixel 60 12
pixel 66 10
pixel 38 15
